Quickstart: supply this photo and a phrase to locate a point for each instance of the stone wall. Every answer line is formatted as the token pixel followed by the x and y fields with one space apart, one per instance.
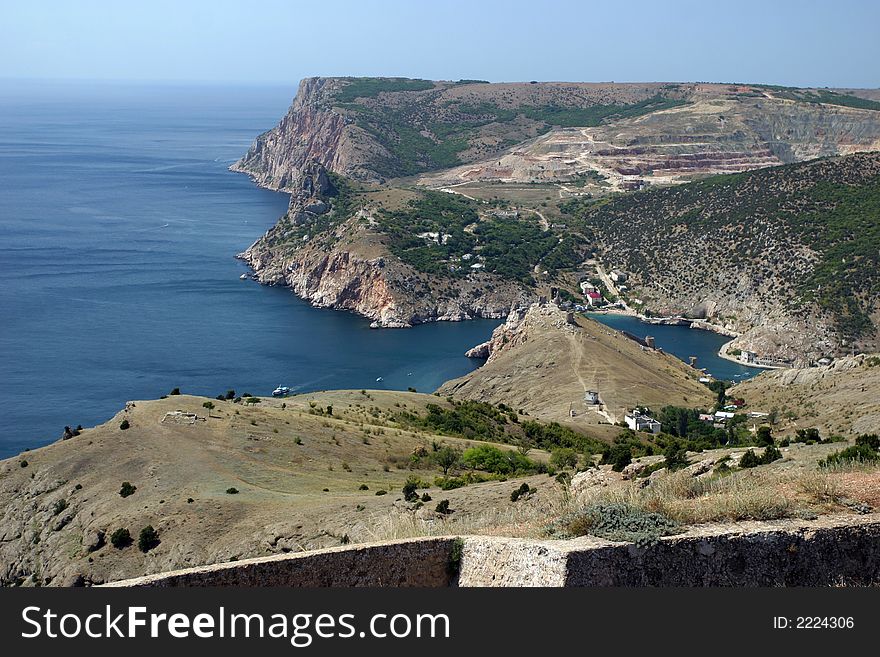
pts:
pixel 830 551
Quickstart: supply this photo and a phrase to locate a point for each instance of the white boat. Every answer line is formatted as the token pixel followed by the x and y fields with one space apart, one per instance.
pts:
pixel 243 277
pixel 281 391
pixel 379 380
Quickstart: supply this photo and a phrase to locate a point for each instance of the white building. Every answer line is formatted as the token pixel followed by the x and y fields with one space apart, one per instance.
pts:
pixel 639 422
pixel 748 356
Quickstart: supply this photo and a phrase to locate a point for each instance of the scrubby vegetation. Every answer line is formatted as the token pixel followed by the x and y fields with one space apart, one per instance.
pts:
pixel 691 237
pixel 120 538
pixel 421 135
pixel 866 450
pixel 434 233
pixel 501 424
pixel 148 538
pixel 615 521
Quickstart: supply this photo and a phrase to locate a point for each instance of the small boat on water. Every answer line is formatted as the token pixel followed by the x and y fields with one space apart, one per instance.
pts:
pixel 379 380
pixel 243 277
pixel 281 391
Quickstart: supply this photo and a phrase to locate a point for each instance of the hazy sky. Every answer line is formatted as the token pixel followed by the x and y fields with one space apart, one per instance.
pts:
pixel 803 43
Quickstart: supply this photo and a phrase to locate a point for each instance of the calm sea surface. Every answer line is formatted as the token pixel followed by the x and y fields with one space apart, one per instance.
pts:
pixel 684 342
pixel 118 226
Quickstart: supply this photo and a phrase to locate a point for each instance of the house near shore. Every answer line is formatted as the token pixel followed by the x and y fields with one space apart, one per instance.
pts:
pixel 587 287
pixel 594 299
pixel 749 357
pixel 637 421
pixel 618 276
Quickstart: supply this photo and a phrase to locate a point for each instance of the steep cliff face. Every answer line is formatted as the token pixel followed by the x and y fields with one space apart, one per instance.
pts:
pixel 350 269
pixel 311 131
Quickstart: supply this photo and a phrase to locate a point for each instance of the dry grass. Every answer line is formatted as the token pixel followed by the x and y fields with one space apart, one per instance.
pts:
pixel 747 495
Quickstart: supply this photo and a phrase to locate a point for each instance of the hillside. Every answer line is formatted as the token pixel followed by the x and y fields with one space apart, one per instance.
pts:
pixel 305 478
pixel 840 398
pixel 786 255
pixel 542 363
pixel 512 167
pixel 374 129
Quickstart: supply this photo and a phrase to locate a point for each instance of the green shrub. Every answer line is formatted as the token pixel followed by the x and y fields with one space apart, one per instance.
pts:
pixel 749 459
pixel 523 491
pixel 363 487
pixel 449 483
pixel 23 463
pixel 176 391
pixel 426 497
pixel 676 458
pixel 232 490
pixel 381 492
pixel 208 405
pixel 148 539
pixel 443 507
pixel 771 453
pixel 124 425
pixel 127 489
pixel 563 457
pixel 866 450
pixel 764 438
pixel 409 489
pixel 491 459
pixel 120 538
pixel 616 522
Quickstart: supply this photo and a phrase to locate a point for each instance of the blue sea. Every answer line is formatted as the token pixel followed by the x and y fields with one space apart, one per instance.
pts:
pixel 118 225
pixel 684 342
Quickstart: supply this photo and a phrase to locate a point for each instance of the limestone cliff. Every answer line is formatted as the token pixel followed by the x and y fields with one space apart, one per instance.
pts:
pixel 349 268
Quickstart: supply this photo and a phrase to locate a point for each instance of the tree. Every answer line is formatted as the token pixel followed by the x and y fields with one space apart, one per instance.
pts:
pixel 563 457
pixel 120 538
pixel 127 489
pixel 676 458
pixel 764 437
pixel 176 391
pixel 446 458
pixel 125 424
pixel 148 539
pixel 209 406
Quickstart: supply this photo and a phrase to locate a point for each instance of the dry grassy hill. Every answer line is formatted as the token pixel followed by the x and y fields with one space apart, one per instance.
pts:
pixel 543 364
pixel 62 502
pixel 841 398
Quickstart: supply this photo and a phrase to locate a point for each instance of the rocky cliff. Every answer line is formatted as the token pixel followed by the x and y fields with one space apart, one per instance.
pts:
pixel 349 268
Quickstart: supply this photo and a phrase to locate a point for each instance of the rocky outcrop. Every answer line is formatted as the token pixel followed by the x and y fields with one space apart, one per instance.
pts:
pixel 311 131
pixel 351 270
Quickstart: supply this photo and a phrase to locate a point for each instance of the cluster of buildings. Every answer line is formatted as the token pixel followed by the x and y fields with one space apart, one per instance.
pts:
pixel 638 421
pixel 592 294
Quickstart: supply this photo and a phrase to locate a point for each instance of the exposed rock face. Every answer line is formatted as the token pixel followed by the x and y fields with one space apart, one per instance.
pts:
pixel 309 132
pixel 354 272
